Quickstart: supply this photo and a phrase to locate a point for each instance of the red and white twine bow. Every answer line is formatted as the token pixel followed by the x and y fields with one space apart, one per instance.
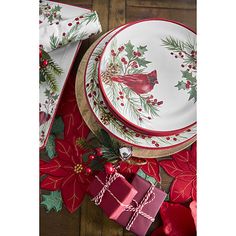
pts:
pixel 138 209
pixel 109 180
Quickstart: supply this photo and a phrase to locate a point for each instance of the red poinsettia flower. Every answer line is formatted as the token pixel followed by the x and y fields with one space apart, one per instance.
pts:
pixel 177 221
pixel 182 167
pixel 66 173
pixel 151 168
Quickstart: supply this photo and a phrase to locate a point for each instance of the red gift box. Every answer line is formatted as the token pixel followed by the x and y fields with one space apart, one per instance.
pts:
pixel 113 193
pixel 141 213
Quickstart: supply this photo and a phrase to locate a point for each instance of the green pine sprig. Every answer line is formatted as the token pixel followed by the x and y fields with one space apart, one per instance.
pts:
pixel 49 73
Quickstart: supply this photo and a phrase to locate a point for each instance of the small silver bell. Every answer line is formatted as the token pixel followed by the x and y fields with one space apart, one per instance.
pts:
pixel 125 153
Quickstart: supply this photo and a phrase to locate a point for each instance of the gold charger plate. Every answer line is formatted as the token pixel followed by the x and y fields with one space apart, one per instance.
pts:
pixel 90 120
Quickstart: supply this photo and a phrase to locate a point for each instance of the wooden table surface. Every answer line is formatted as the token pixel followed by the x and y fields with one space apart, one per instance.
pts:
pixel 89 219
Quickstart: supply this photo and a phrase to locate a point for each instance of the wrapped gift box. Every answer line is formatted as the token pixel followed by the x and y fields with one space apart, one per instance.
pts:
pixel 112 193
pixel 144 207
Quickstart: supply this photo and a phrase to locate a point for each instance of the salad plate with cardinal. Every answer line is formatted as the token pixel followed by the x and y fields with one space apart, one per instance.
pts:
pixel 147 76
pixel 109 122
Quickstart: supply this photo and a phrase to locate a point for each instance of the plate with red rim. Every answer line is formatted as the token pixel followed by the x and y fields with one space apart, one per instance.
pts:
pixel 109 122
pixel 147 76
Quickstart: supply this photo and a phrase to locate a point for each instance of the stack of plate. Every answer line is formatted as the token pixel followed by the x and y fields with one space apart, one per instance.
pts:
pixel 140 84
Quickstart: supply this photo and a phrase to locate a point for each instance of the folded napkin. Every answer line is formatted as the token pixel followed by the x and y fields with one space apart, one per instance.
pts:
pixel 56 31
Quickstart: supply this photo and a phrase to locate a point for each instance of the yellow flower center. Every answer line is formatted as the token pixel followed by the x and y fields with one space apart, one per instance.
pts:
pixel 78 168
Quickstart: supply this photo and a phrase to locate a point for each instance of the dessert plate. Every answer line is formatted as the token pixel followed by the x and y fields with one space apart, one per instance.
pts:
pixel 147 75
pixel 109 122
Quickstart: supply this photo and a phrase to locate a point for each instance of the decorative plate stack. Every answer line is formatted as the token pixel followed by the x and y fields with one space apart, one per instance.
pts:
pixel 139 81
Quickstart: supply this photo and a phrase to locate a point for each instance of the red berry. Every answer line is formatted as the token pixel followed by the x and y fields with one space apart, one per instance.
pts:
pixel 135 54
pixel 160 103
pixel 136 66
pixel 121 49
pixel 137 135
pixel 122 59
pixel 40 53
pixel 138 54
pixel 188 130
pixel 96 59
pixel 88 171
pixel 156 144
pixel 120 93
pixel 188 82
pixel 98 152
pixel 155 100
pixel 64 34
pixel 122 104
pixel 45 63
pixel 122 97
pixel 91 157
pixel 125 62
pixel 140 109
pixel 140 119
pixel 69 24
pixel 112 51
pixel 109 168
pixel 167 138
pixel 77 18
pixel 153 142
pixel 182 65
pixel 81 17
pixel 151 96
pixel 89 95
pixel 149 118
pixel 77 23
pixel 176 56
pixel 189 66
pixel 172 53
pixel 187 86
pixel 101 102
pixel 175 139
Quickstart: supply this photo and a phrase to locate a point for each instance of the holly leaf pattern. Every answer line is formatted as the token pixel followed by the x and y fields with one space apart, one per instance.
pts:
pixel 129 48
pixel 189 76
pixel 142 62
pixel 193 93
pixel 182 167
pixel 58 126
pixel 142 49
pixel 181 85
pixel 50 147
pixel 52 201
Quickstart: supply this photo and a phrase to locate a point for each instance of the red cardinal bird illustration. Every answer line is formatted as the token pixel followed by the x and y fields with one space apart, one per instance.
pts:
pixel 139 83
